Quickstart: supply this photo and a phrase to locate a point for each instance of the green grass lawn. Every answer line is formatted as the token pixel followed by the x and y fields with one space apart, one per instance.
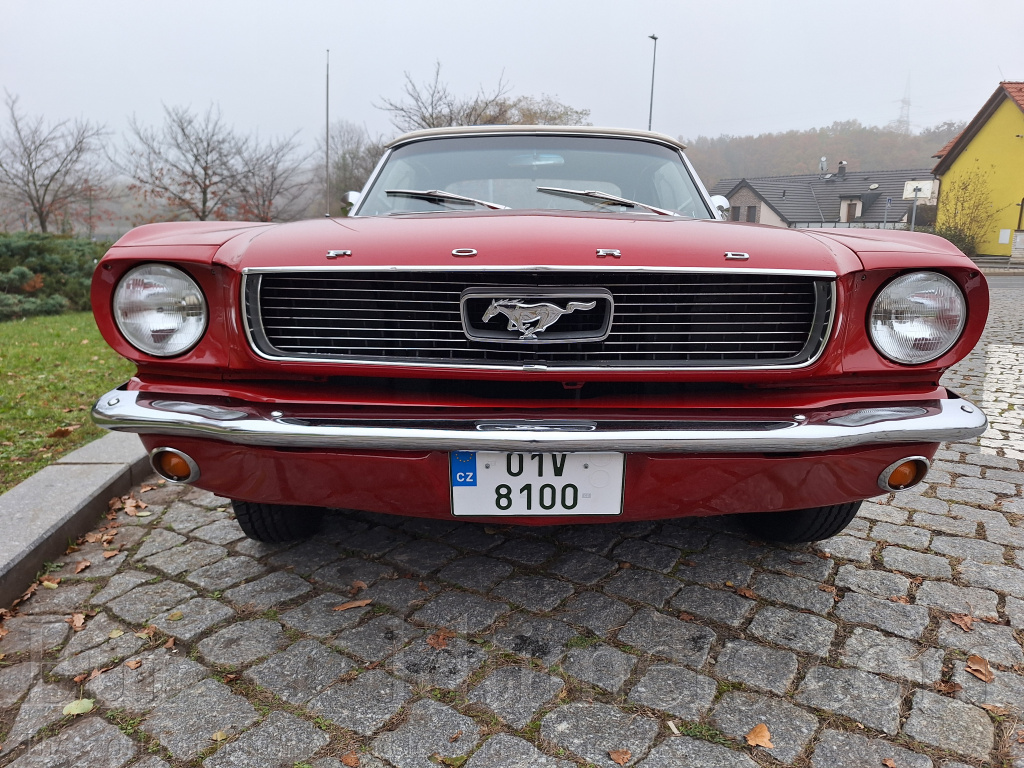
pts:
pixel 52 370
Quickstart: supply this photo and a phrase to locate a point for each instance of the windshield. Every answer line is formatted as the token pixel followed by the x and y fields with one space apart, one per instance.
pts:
pixel 508 170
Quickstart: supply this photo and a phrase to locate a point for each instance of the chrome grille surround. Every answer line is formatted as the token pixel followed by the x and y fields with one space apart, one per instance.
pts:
pixel 803 304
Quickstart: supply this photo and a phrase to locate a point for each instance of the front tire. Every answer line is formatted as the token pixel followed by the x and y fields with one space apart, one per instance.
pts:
pixel 277 523
pixel 802 525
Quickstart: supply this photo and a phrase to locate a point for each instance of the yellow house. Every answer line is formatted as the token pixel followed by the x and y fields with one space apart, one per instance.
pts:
pixel 982 175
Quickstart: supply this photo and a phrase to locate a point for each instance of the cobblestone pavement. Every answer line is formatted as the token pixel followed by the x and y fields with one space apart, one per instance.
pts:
pixel 545 647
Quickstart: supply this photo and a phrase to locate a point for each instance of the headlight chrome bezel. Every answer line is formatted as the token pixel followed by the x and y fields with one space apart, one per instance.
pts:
pixel 891 308
pixel 186 299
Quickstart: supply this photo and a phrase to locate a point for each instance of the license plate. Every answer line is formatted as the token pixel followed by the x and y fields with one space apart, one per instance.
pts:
pixel 486 483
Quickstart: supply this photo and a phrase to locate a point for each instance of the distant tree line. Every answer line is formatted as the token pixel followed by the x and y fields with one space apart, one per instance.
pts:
pixel 863 147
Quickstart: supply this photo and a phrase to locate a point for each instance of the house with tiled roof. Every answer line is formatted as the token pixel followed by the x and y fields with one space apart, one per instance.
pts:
pixel 870 199
pixel 988 156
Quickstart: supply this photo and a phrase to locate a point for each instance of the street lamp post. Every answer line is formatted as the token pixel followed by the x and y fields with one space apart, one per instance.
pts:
pixel 654 60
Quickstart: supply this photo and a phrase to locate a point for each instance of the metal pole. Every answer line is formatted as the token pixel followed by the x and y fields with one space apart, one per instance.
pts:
pixel 654 61
pixel 913 215
pixel 327 138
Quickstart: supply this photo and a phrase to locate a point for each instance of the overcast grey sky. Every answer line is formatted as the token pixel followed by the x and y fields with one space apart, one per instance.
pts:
pixel 738 67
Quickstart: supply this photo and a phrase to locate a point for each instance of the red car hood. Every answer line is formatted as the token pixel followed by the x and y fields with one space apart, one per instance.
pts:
pixel 516 238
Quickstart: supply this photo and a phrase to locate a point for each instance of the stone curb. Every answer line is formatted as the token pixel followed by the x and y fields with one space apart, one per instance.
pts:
pixel 61 502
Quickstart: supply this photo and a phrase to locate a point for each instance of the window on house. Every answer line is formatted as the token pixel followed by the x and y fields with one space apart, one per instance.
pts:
pixel 734 214
pixel 751 213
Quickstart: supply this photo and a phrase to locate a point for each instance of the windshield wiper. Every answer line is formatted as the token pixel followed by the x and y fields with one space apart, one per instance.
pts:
pixel 603 198
pixel 440 196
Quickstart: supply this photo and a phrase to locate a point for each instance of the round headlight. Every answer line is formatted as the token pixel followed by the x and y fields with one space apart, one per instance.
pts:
pixel 160 310
pixel 917 317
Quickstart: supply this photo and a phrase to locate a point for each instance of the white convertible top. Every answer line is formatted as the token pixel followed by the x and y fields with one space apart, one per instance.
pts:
pixel 562 130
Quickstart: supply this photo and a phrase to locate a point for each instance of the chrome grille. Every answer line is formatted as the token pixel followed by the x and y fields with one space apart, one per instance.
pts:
pixel 662 318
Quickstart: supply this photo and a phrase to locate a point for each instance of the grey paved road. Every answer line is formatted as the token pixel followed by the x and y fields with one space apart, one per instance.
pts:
pixel 650 644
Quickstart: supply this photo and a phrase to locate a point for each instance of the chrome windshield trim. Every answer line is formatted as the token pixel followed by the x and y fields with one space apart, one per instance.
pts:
pixel 944 420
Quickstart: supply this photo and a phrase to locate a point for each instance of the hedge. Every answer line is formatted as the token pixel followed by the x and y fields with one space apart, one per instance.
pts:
pixel 42 274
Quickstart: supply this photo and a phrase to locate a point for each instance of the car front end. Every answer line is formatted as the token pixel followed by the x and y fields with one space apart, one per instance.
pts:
pixel 516 338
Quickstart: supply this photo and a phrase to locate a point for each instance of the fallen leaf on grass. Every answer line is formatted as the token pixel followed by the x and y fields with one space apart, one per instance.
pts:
pixel 63 431
pixel 889 763
pixel 115 633
pixel 79 707
pixel 759 736
pixel 620 756
pixel 979 667
pixel 350 759
pixel 219 736
pixel 440 639
pixel 352 604
pixel 175 616
pixel 746 592
pixel 948 688
pixel 81 565
pixel 133 664
pixel 111 553
pixel 966 623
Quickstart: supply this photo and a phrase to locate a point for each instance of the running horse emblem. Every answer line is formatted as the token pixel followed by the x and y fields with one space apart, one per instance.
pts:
pixel 531 319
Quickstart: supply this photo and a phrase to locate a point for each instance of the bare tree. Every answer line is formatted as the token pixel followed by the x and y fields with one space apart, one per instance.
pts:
pixel 272 180
pixel 189 162
pixel 432 105
pixel 354 155
pixel 49 168
pixel 966 212
pixel 546 110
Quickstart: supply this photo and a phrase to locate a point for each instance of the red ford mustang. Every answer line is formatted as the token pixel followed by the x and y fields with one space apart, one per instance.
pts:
pixel 542 325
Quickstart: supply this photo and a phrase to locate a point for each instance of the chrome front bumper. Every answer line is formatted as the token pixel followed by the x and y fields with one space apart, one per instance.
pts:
pixel 933 421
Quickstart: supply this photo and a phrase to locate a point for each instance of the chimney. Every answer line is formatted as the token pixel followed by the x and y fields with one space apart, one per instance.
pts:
pixel 841 173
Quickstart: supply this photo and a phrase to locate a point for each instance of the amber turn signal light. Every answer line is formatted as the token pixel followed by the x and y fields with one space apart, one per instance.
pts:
pixel 903 474
pixel 174 465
